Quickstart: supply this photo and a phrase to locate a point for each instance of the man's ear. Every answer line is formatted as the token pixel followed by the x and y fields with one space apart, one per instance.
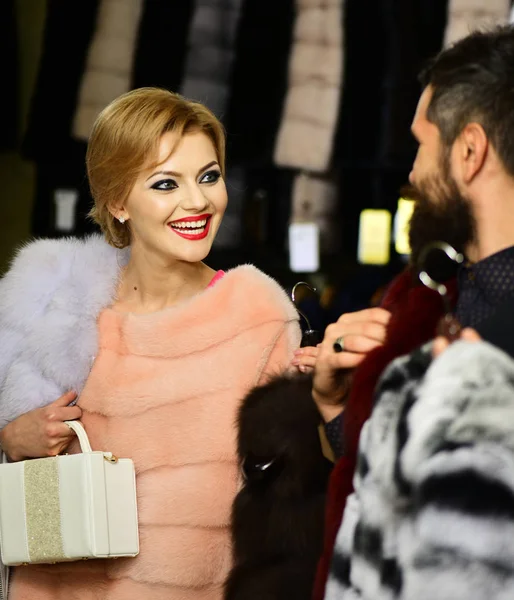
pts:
pixel 473 146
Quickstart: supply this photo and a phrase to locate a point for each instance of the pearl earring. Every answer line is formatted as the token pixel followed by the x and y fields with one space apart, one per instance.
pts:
pixel 121 220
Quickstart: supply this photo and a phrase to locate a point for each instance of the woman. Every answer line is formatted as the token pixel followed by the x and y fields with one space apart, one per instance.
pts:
pixel 158 347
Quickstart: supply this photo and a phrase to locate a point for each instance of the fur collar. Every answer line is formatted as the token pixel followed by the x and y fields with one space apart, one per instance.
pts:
pixel 52 296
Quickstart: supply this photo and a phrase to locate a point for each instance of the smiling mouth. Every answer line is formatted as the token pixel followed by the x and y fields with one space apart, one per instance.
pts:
pixel 192 228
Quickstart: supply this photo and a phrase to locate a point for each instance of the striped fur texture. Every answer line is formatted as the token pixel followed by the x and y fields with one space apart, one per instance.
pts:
pixel 432 515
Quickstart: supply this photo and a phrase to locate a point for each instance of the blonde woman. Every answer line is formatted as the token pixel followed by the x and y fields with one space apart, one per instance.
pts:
pixel 157 347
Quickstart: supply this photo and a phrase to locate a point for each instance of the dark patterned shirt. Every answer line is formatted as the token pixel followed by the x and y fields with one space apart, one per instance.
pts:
pixel 483 286
pixel 334 433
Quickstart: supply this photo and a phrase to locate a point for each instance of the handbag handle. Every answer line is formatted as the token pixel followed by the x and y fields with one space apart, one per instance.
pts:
pixel 78 428
pixel 85 446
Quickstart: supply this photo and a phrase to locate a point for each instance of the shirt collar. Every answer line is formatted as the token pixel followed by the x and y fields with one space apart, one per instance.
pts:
pixel 494 275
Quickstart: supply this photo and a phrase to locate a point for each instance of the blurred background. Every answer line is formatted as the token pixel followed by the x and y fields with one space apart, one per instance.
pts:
pixel 317 97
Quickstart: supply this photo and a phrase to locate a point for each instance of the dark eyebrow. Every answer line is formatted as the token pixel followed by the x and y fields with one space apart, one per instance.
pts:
pixel 174 174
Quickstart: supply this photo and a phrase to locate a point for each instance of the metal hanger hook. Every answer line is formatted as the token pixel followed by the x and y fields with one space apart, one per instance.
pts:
pixel 293 298
pixel 426 279
pixel 451 253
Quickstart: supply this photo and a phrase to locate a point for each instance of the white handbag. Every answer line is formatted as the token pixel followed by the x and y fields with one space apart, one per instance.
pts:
pixel 69 507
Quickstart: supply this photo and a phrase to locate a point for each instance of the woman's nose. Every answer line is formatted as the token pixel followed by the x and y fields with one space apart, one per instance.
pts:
pixel 195 199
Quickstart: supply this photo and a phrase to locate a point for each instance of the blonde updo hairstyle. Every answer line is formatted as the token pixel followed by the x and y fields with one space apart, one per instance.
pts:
pixel 125 141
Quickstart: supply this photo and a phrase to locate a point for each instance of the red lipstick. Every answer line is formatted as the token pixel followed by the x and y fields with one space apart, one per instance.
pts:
pixel 192 233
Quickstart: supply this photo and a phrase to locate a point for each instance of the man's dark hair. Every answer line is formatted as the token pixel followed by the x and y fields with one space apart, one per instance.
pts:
pixel 473 81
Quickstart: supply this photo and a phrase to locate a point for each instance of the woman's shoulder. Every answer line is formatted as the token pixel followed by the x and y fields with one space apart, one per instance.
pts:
pixel 258 291
pixel 78 268
pixel 49 255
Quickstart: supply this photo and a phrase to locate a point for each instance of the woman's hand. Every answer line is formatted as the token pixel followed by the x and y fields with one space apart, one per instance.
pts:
pixel 41 432
pixel 305 358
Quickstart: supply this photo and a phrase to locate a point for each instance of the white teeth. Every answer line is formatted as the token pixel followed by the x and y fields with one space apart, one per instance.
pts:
pixel 193 230
pixel 190 224
pixel 196 231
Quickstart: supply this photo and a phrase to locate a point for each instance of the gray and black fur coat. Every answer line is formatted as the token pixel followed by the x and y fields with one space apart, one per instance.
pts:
pixel 432 516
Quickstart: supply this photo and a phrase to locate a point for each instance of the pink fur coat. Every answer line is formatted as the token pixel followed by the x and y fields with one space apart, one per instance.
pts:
pixel 164 389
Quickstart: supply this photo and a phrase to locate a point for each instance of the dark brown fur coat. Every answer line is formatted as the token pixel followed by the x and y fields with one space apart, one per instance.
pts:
pixel 278 514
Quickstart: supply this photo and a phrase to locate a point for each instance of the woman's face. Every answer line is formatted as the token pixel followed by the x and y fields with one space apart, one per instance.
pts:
pixel 175 209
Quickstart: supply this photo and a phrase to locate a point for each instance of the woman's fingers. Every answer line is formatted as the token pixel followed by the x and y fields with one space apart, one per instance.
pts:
pixel 305 358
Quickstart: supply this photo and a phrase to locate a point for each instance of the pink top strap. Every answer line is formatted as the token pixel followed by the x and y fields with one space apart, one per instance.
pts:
pixel 219 275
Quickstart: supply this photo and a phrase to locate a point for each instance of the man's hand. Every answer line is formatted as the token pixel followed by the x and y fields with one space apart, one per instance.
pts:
pixel 360 333
pixel 441 343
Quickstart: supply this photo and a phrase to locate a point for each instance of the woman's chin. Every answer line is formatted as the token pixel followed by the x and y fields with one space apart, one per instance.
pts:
pixel 197 252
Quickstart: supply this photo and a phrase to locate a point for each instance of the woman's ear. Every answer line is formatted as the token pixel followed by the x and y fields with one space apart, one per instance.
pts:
pixel 119 213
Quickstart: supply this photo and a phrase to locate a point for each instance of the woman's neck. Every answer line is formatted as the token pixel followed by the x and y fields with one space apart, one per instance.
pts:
pixel 149 284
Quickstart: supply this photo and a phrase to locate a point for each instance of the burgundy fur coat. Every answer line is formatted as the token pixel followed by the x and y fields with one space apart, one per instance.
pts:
pixel 416 311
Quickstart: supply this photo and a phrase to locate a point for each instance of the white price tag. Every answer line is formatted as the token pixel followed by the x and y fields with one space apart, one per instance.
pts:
pixel 65 208
pixel 304 247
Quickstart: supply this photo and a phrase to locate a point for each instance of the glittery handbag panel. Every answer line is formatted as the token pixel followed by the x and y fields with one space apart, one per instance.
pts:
pixel 68 508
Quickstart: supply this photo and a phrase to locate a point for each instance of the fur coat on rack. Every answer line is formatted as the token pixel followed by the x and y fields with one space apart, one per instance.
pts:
pixel 465 16
pixel 311 108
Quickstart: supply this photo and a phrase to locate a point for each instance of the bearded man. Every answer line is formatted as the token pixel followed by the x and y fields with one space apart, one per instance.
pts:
pixel 463 182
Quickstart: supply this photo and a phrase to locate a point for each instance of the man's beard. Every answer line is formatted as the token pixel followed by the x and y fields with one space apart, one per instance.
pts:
pixel 441 213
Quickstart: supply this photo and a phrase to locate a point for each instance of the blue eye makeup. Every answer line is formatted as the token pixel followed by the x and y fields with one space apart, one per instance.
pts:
pixel 165 185
pixel 210 177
